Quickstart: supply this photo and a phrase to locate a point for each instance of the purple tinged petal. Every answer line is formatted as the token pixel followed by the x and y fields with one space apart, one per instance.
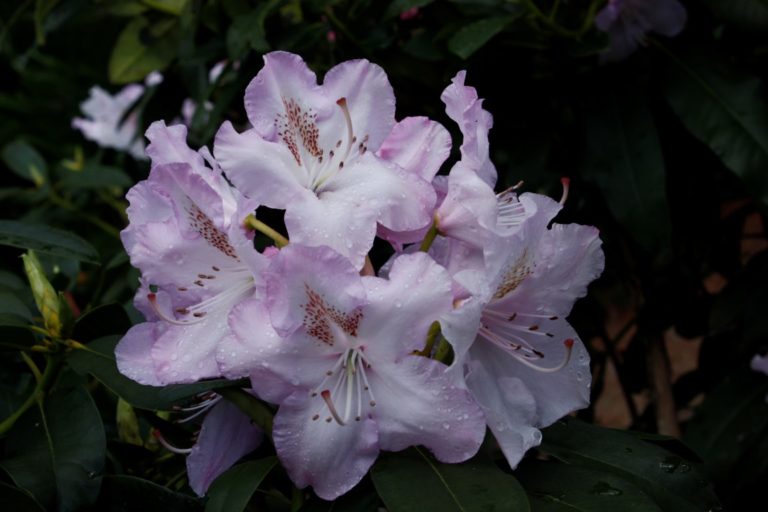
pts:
pixel 759 363
pixel 133 354
pixel 226 435
pixel 329 457
pixel 168 144
pixel 469 210
pixel 265 171
pixel 284 76
pixel 369 97
pixel 402 308
pixel 418 403
pixel 510 410
pixel 418 145
pixel 299 275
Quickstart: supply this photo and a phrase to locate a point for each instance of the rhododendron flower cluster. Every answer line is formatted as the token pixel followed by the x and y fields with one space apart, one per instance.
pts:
pixel 463 329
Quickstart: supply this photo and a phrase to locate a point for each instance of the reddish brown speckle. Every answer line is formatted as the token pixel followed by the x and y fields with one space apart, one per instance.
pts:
pixel 318 314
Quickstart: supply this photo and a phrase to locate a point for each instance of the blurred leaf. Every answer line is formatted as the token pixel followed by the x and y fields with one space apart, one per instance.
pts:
pixel 623 158
pixel 397 7
pixel 247 32
pixel 232 491
pixel 11 282
pixel 557 487
pixel 473 36
pixel 106 320
pixel 96 176
pixel 10 303
pixel 13 334
pixel 723 107
pixel 127 423
pixel 99 361
pixel 25 161
pixel 749 15
pixel 14 499
pixel 142 48
pixel 730 424
pixel 174 7
pixel 675 484
pixel 414 481
pixel 42 9
pixel 47 240
pixel 129 494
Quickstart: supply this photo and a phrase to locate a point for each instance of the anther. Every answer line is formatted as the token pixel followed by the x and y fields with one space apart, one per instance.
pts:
pixel 315 417
pixel 566 182
pixel 326 394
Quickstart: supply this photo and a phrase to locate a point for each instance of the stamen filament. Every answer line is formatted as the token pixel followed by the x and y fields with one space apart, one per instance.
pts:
pixel 326 395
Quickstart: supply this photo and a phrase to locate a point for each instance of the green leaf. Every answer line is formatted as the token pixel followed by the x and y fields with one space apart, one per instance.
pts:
pixel 413 481
pixel 675 484
pixel 175 7
pixel 623 158
pixel 96 176
pixel 79 445
pixel 557 487
pixel 25 161
pixel 232 491
pixel 47 240
pixel 725 108
pixel 42 9
pixel 751 15
pixel 99 360
pixel 106 320
pixel 396 7
pixel 473 36
pixel 142 48
pixel 14 333
pixel 247 32
pixel 10 303
pixel 730 426
pixel 129 494
pixel 14 498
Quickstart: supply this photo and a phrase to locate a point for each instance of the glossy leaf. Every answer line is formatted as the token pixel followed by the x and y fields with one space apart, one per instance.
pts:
pixel 414 481
pixel 47 240
pixel 232 491
pixel 473 36
pixel 99 361
pixel 725 108
pixel 557 487
pixel 674 483
pixel 94 177
pixel 25 161
pixel 730 425
pixel 106 320
pixel 623 158
pixel 142 48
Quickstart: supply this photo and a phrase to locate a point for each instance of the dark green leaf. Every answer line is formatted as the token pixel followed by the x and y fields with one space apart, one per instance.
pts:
pixel 231 491
pixel 99 361
pixel 557 487
pixel 11 304
pixel 473 36
pixel 106 320
pixel 14 499
pixel 47 240
pixel 624 159
pixel 730 424
pixel 25 161
pixel 414 481
pixel 674 483
pixel 29 458
pixel 174 7
pixel 129 494
pixel 142 48
pixel 96 176
pixel 79 445
pixel 14 334
pixel 749 15
pixel 725 108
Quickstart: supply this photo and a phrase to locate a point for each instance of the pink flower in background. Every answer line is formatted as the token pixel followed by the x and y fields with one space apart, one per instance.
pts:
pixel 104 123
pixel 628 21
pixel 340 365
pixel 186 236
pixel 759 364
pixel 312 151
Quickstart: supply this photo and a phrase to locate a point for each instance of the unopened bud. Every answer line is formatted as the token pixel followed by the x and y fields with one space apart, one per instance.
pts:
pixel 46 298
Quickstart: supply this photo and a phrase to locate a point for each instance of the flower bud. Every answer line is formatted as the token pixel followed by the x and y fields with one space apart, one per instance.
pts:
pixel 45 296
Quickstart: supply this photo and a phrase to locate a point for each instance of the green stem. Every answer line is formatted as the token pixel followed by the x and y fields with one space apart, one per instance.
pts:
pixel 51 366
pixel 250 405
pixel 255 224
pixel 429 237
pixel 432 335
